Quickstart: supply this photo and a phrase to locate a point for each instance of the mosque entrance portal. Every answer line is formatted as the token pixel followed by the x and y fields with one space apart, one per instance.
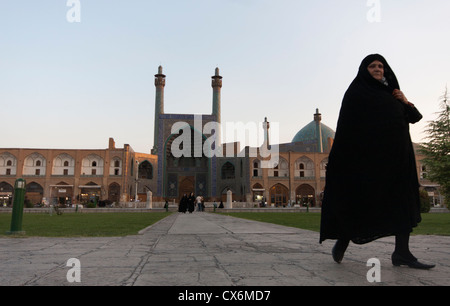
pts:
pixel 187 185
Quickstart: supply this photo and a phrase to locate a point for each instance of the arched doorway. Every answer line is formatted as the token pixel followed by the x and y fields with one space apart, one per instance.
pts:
pixel 61 193
pixel 279 195
pixel 90 193
pixel 114 192
pixel 258 193
pixel 186 186
pixel 305 194
pixel 184 163
pixel 34 193
pixel 6 194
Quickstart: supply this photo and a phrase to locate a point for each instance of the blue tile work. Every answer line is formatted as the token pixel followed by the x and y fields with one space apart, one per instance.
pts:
pixel 162 158
pixel 201 187
pixel 172 185
pixel 309 134
pixel 214 176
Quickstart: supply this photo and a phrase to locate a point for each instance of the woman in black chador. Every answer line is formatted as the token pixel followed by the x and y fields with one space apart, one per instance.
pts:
pixel 372 189
pixel 191 202
pixel 183 204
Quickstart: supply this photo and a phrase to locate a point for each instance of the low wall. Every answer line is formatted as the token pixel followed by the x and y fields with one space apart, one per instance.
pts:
pixel 146 210
pixel 174 208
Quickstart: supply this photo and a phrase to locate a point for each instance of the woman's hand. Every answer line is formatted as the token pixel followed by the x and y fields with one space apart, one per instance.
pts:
pixel 398 94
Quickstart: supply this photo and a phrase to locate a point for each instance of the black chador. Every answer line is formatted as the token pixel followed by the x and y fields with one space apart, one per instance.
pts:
pixel 191 203
pixel 183 204
pixel 372 189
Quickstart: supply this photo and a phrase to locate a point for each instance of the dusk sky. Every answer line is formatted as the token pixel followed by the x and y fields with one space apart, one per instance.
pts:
pixel 72 85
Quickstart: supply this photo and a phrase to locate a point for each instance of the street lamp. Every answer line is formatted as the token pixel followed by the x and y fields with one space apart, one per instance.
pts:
pixel 17 213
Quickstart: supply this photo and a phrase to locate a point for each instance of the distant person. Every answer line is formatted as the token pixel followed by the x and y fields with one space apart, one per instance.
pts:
pixel 191 203
pixel 166 205
pixel 372 189
pixel 221 204
pixel 183 206
pixel 198 199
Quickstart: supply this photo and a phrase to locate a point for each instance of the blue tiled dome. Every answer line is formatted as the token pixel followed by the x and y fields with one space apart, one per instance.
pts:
pixel 310 133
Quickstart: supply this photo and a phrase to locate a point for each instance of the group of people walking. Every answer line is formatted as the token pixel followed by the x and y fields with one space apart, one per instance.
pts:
pixel 189 202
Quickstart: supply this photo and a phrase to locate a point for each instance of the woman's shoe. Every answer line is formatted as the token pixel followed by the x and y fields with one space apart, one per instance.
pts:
pixel 398 260
pixel 339 250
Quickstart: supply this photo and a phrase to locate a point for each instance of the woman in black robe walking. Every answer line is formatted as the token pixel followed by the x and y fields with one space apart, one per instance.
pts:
pixel 372 189
pixel 183 204
pixel 191 202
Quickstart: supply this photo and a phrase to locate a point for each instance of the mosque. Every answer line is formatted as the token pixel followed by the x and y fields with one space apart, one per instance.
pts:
pixel 68 176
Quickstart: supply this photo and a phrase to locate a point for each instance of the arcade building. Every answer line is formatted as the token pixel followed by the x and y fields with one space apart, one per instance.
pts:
pixel 118 175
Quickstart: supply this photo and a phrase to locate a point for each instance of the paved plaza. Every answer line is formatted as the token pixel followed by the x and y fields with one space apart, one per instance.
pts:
pixel 204 249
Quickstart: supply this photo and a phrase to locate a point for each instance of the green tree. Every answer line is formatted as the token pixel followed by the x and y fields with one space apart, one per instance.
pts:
pixel 425 204
pixel 437 148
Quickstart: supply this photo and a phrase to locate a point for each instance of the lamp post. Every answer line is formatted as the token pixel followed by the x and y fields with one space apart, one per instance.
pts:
pixel 17 213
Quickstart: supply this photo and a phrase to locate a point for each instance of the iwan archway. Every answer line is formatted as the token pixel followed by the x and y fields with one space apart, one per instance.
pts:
pixel 189 172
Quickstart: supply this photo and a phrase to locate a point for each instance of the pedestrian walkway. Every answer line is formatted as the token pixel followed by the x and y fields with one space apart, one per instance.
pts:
pixel 204 249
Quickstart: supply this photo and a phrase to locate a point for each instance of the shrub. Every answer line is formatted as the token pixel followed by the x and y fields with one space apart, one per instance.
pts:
pixel 425 204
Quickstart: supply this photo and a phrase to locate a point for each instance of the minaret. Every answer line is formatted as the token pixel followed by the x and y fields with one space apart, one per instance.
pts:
pixel 266 126
pixel 318 119
pixel 160 82
pixel 217 87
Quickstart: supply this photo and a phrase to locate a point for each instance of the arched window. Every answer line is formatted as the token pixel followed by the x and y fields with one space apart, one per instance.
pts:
pixel 145 170
pixel 281 169
pixel 34 164
pixel 115 167
pixel 92 165
pixel 228 171
pixel 304 168
pixel 256 168
pixel 63 164
pixel 7 164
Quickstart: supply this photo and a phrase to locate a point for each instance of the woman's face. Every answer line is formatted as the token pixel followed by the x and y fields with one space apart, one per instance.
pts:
pixel 376 70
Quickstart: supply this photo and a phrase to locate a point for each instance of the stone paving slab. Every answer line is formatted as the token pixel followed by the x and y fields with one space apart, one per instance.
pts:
pixel 203 249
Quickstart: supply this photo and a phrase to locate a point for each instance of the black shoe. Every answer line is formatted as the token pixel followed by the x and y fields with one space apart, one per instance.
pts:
pixel 398 260
pixel 339 250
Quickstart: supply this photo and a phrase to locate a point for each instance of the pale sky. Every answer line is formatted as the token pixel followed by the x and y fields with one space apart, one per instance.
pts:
pixel 72 85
